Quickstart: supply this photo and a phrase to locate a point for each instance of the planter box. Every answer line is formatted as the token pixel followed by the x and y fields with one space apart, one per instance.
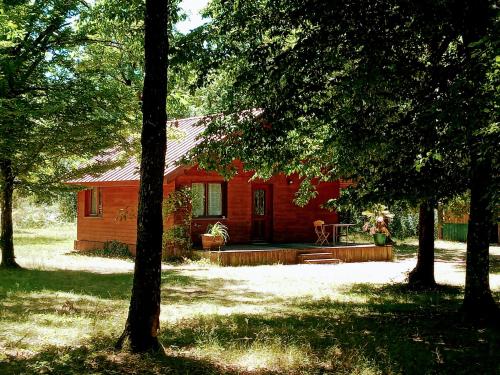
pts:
pixel 210 242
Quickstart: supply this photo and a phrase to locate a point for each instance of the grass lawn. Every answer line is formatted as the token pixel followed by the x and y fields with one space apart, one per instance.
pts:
pixel 62 313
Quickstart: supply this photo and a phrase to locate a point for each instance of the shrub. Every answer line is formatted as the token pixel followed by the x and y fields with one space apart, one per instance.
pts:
pixel 30 212
pixel 112 249
pixel 403 225
pixel 177 238
pixel 405 222
pixel 27 214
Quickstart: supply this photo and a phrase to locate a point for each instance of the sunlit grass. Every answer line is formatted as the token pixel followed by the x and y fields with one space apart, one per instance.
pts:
pixel 62 313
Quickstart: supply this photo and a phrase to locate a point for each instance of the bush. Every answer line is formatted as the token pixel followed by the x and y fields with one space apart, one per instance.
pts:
pixel 404 224
pixel 27 214
pixel 405 221
pixel 67 203
pixel 111 249
pixel 177 238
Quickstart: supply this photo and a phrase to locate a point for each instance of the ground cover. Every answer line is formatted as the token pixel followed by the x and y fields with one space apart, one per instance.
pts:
pixel 62 313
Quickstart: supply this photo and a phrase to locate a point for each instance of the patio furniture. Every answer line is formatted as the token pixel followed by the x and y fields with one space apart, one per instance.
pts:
pixel 319 228
pixel 337 231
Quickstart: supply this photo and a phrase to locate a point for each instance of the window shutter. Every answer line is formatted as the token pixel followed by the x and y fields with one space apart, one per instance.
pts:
pixel 99 202
pixel 94 201
pixel 87 202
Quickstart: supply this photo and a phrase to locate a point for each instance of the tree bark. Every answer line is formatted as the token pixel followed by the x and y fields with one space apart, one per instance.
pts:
pixel 143 321
pixel 422 276
pixel 478 300
pixel 6 236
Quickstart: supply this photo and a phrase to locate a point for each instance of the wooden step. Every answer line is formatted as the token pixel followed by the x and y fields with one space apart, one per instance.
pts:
pixel 305 256
pixel 321 261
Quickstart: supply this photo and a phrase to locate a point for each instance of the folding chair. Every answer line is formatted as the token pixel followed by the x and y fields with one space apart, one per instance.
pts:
pixel 320 232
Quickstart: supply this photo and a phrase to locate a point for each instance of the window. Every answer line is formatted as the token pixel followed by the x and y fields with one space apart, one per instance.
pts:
pixel 93 206
pixel 209 199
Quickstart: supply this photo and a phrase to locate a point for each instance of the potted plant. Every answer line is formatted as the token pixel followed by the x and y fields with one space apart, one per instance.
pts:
pixel 376 224
pixel 216 235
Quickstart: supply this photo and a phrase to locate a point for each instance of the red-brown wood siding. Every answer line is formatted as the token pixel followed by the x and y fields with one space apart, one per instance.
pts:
pixel 118 221
pixel 290 222
pixel 108 226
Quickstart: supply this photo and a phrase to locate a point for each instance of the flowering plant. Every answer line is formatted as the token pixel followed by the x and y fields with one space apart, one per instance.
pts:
pixel 377 217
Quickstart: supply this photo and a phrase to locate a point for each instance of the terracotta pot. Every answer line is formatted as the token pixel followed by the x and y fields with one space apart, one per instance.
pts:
pixel 210 242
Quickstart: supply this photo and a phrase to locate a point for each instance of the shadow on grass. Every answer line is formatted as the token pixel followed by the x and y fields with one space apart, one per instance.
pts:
pixel 107 286
pixel 103 285
pixel 123 254
pixel 377 329
pixel 36 292
pixel 401 295
pixel 494 263
pixel 99 358
pixel 101 253
pixel 391 331
pixel 407 251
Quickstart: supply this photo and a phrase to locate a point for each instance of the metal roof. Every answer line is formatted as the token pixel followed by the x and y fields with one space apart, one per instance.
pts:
pixel 176 149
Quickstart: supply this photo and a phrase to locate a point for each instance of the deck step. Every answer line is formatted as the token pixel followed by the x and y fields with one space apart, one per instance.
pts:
pixel 321 261
pixel 305 256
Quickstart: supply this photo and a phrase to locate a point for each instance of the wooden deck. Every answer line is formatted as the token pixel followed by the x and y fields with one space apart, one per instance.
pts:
pixel 252 254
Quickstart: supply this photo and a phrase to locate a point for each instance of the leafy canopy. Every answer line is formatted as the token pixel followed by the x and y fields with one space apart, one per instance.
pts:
pixel 373 92
pixel 58 104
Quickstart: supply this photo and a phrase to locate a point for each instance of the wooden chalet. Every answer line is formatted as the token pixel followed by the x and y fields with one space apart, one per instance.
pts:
pixel 254 211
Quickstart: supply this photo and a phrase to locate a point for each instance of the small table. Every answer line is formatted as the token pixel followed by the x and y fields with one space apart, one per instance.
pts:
pixel 336 231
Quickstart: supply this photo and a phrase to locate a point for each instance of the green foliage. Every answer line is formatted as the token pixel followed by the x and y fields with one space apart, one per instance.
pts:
pixel 114 249
pixel 68 206
pixel 458 205
pixel 218 230
pixel 178 235
pixel 405 221
pixel 60 103
pixel 30 212
pixel 27 214
pixel 110 249
pixel 403 225
pixel 121 26
pixel 177 205
pixel 377 216
pixel 370 93
pixel 180 199
pixel 70 86
pixel 377 211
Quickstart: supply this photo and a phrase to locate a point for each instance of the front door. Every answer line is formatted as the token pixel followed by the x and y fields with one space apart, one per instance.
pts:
pixel 262 215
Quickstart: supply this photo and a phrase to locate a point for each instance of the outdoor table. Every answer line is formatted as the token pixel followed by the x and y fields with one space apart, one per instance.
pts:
pixel 336 228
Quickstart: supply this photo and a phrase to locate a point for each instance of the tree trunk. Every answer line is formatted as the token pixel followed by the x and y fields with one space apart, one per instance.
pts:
pixel 6 236
pixel 478 300
pixel 143 321
pixel 422 276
